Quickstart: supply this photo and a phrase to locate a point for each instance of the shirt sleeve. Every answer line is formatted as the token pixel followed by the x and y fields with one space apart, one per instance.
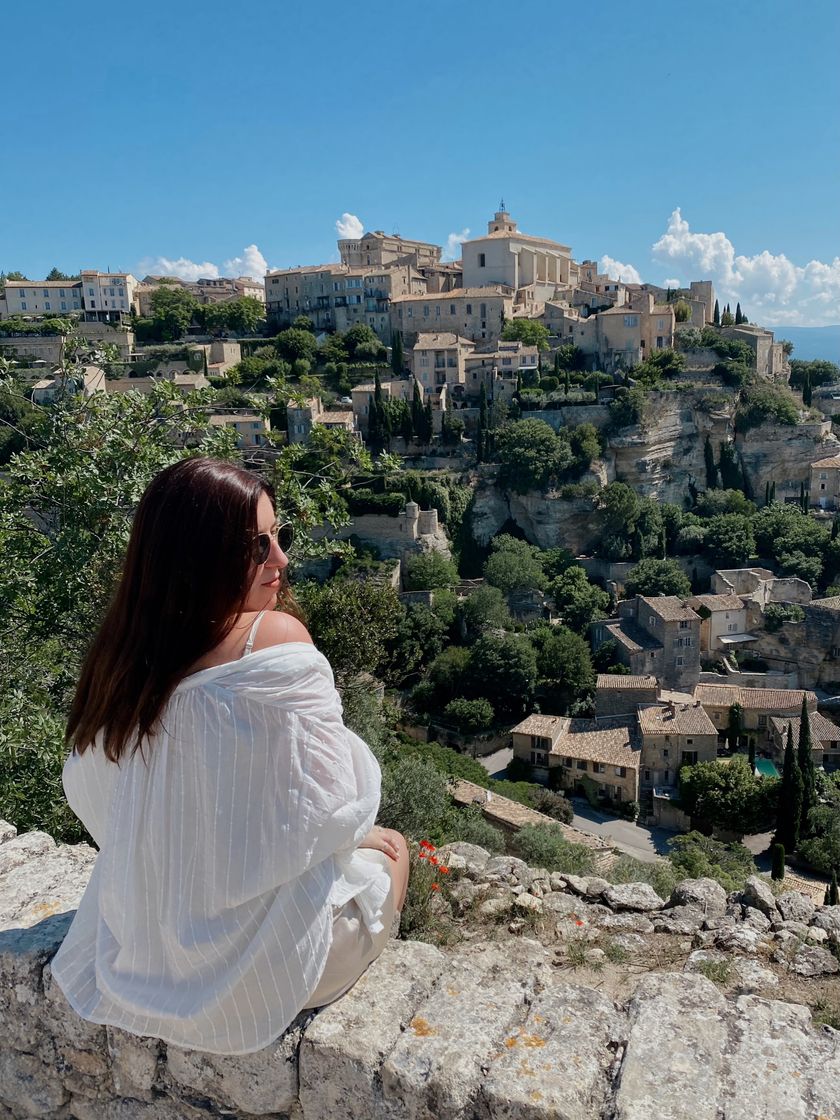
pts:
pixel 88 781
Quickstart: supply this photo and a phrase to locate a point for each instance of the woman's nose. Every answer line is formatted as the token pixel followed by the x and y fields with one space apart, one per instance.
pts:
pixel 277 556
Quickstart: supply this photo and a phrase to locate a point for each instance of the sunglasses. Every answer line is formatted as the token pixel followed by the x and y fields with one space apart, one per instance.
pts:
pixel 284 534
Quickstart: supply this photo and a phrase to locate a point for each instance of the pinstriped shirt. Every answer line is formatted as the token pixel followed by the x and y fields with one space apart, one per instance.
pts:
pixel 208 917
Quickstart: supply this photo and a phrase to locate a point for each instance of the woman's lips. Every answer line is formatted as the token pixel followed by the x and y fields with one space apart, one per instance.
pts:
pixel 273 583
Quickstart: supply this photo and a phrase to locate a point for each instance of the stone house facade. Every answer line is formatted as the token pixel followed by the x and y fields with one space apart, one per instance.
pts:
pixel 825 739
pixel 673 735
pixel 478 314
pixel 758 707
pixel 440 359
pixel 517 260
pixel 657 637
pixel 577 753
pixel 724 622
pixel 618 694
pixel 825 483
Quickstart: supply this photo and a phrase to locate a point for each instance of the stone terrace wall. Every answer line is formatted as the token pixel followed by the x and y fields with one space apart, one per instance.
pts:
pixel 489 1031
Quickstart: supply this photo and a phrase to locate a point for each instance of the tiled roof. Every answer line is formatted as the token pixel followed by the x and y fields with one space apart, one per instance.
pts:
pixel 834 461
pixel 668 607
pixel 334 418
pixel 822 729
pixel 756 699
pixel 491 290
pixel 677 719
pixel 618 680
pixel 503 234
pixel 719 602
pixel 832 603
pixel 630 636
pixel 539 725
pixel 444 340
pixel 611 740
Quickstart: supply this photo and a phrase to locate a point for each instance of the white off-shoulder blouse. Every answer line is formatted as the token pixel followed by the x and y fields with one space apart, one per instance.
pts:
pixel 208 917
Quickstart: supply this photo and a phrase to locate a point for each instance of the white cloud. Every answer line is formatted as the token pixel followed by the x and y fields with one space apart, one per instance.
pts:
pixel 672 283
pixel 618 271
pixel 180 266
pixel 250 263
pixel 349 226
pixel 770 287
pixel 452 249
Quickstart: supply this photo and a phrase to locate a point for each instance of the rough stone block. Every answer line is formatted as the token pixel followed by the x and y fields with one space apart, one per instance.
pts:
pixel 39 880
pixel 674 1054
pixel 827 918
pixel 796 907
pixel 434 1071
pixel 344 1047
pixel 567 1029
pixel 30 1087
pixel 706 894
pixel 128 1109
pixel 134 1063
pixel 7 831
pixel 23 955
pixel 757 893
pixel 262 1082
pixel 632 896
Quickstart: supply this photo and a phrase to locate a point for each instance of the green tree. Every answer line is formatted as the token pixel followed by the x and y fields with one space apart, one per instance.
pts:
pixel 294 343
pixel 729 540
pixel 696 856
pixel 818 372
pixel 173 310
pixel 532 455
pixel 778 871
pixel 417 417
pixel 728 795
pixel 504 671
pixel 807 394
pixel 682 311
pixel 716 316
pixel 351 622
pixel 470 716
pixel 657 577
pixel 832 895
pixel 429 570
pixel 805 760
pixel 789 812
pixel 53 274
pixel 564 664
pixel 529 331
pixel 514 565
pixel 486 607
pixel 397 356
pixel 735 726
pixel 578 601
pixel 421 635
pixel 245 316
pixel 711 466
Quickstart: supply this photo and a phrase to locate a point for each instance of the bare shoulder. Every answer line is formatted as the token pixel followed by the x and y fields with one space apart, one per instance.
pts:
pixel 276 628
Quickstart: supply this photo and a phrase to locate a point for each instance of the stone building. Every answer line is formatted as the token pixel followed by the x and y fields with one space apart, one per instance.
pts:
pixel 825 739
pixel 824 483
pixel 381 250
pixel 302 415
pixel 758 707
pixel 517 260
pixel 397 389
pixel 724 622
pixel 599 754
pixel 623 336
pixel 439 359
pixel 250 428
pixel 770 359
pixel 618 694
pixel 478 314
pixel 673 735
pixel 105 297
pixel 657 637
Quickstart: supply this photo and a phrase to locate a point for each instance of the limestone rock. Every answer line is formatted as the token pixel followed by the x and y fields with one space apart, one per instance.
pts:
pixel 683 920
pixel 627 922
pixel 343 1049
pixel 7 832
pixel 739 940
pixel 596 887
pixel 567 1028
pixel 751 977
pixel 509 867
pixel 435 1069
pixel 827 918
pixel 756 919
pixel 757 893
pixel 493 907
pixel 560 903
pixel 796 907
pixel 706 894
pixel 476 858
pixel 632 896
pixel 528 903
pixel 813 960
pixel 576 883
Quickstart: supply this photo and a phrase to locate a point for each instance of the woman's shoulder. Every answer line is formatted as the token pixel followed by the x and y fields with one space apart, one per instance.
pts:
pixel 278 628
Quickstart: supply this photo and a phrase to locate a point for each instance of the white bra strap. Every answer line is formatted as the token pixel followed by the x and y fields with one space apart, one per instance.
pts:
pixel 252 633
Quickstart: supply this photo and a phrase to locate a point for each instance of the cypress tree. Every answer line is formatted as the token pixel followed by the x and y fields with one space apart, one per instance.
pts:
pixel 751 754
pixel 376 416
pixel 805 758
pixel 716 318
pixel 557 364
pixel 807 395
pixel 481 440
pixel 835 527
pixel 767 493
pixel 396 352
pixel 428 425
pixel 790 800
pixel 735 726
pixel 738 316
pixel 417 411
pixel 772 491
pixel 711 466
pixel 778 872
pixel 567 381
pixel 833 895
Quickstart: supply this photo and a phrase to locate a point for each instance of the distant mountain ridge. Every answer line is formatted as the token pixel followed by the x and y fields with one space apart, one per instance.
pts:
pixel 812 342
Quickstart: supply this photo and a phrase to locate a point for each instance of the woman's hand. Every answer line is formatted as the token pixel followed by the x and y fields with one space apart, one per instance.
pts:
pixel 383 840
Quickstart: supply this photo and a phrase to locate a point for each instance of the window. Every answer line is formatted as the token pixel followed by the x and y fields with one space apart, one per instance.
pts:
pixel 732 627
pixel 47 306
pixel 599 768
pixel 469 309
pixel 651 620
pixel 61 292
pixel 63 305
pixel 45 292
pixel 482 311
pixel 647 775
pixel 689 758
pixel 426 310
pixel 568 762
pixel 90 291
pixel 762 721
pixel 23 307
pixel 679 662
pixel 482 260
pixel 660 324
pixel 665 753
pixel 684 624
pixel 581 764
pixel 452 309
pixel 631 320
pixel 538 758
pixel 621 771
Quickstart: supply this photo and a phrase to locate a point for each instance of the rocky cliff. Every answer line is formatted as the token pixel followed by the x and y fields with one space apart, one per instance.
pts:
pixel 500 1028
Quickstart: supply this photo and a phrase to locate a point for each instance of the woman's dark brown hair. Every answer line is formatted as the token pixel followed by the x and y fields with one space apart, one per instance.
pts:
pixel 187 572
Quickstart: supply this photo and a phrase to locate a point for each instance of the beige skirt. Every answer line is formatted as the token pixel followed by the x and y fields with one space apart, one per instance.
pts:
pixel 353 945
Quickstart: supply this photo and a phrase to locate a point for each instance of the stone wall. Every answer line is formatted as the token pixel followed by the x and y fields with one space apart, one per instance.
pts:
pixel 490 1030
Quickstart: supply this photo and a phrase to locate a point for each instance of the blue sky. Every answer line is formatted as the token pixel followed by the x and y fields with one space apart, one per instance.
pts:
pixel 188 132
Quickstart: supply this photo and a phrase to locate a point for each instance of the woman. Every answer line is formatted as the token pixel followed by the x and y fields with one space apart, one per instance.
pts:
pixel 240 877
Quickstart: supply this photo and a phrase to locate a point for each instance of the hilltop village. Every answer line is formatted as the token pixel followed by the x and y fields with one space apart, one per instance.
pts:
pixel 588 520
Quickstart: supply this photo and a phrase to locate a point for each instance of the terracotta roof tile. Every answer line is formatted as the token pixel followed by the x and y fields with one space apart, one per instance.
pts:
pixel 675 719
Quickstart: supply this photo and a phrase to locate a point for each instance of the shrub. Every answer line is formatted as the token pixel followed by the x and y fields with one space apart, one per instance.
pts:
pixel 659 874
pixel 696 856
pixel 365 501
pixel 776 614
pixel 469 824
pixel 415 799
pixel 429 571
pixel 553 804
pixel 469 716
pixel 657 577
pixel 766 404
pixel 545 845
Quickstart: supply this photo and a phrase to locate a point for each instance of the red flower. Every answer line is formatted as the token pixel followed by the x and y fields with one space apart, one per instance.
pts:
pixel 578 922
pixel 421 855
pixel 435 886
pixel 443 870
pixel 433 859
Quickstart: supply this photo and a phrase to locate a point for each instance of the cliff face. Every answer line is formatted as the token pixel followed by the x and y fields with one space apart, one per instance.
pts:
pixel 545 519
pixel 490 1029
